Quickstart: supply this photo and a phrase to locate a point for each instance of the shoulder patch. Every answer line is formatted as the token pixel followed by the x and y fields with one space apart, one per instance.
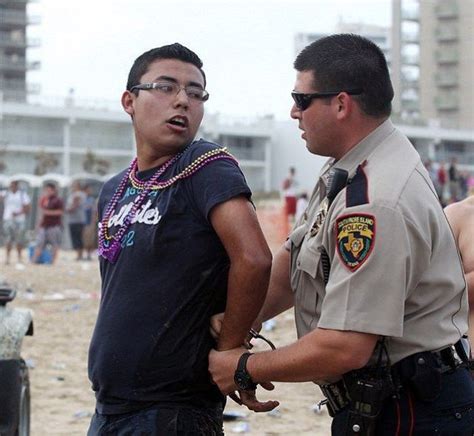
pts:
pixel 355 239
pixel 357 189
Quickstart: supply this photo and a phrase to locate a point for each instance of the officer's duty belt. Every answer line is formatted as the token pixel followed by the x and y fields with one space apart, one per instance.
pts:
pixel 337 396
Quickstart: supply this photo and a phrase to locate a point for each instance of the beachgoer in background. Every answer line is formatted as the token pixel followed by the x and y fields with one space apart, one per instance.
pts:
pixel 453 174
pixel 442 181
pixel 16 207
pixel 89 234
pixel 289 186
pixel 50 229
pixel 301 205
pixel 76 212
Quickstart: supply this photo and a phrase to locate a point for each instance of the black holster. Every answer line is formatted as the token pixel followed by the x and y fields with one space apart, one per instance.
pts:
pixel 421 374
pixel 368 391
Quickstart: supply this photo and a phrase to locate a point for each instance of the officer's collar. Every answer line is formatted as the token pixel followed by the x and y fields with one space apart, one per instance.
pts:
pixel 361 151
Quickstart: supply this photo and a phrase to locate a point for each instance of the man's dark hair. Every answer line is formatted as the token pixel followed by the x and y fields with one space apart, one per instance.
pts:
pixel 50 185
pixel 172 51
pixel 347 61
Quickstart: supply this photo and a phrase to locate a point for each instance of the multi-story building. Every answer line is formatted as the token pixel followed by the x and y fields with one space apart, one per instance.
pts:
pixel 433 61
pixel 379 34
pixel 72 138
pixel 14 42
pixel 66 139
pixel 405 55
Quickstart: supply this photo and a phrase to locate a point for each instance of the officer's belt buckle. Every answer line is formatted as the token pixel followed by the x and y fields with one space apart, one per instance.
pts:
pixel 336 397
pixel 448 359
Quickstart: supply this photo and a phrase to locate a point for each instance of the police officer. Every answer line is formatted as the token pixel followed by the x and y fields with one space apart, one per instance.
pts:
pixel 371 267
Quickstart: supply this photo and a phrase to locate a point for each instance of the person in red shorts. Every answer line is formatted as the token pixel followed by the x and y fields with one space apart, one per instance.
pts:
pixel 50 227
pixel 289 194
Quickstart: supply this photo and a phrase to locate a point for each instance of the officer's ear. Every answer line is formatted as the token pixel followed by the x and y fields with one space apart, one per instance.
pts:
pixel 344 104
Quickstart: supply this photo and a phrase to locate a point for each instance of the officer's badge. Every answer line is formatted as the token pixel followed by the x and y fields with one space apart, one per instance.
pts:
pixel 320 217
pixel 355 235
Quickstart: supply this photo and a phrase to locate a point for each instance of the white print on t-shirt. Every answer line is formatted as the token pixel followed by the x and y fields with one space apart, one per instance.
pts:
pixel 144 215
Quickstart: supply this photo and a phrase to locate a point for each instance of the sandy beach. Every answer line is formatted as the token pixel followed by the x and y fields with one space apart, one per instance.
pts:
pixel 65 300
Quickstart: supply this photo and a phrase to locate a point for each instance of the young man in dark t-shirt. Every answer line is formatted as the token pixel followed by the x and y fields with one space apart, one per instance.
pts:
pixel 178 242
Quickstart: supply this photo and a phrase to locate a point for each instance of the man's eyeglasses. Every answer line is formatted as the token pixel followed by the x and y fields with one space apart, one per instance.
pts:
pixel 195 93
pixel 303 101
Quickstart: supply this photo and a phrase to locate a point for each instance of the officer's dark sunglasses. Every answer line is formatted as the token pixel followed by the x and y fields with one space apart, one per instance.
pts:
pixel 303 101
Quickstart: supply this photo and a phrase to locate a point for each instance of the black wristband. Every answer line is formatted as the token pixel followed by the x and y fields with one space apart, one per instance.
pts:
pixel 241 377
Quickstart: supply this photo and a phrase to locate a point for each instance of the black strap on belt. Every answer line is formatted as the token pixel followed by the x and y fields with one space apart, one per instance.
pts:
pixel 338 179
pixel 443 361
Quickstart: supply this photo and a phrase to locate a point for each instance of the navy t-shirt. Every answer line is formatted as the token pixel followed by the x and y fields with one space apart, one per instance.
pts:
pixel 151 339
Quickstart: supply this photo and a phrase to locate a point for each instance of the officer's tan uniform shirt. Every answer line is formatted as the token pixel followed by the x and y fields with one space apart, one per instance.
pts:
pixel 395 270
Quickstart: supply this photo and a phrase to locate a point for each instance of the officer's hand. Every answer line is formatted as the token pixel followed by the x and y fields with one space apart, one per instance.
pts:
pixel 249 399
pixel 222 366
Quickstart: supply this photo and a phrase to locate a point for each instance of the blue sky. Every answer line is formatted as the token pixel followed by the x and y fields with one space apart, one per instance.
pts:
pixel 247 46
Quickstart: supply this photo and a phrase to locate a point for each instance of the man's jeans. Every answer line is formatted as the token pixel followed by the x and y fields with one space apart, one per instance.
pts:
pixel 159 421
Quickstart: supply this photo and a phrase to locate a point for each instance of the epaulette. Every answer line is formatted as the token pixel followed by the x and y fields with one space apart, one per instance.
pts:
pixel 357 188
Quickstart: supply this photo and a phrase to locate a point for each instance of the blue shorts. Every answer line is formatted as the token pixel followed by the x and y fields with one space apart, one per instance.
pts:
pixel 159 421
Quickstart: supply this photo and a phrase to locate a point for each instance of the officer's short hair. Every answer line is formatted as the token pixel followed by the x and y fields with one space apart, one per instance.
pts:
pixel 347 61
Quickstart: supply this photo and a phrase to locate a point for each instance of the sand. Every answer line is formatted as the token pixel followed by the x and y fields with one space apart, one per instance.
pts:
pixel 65 300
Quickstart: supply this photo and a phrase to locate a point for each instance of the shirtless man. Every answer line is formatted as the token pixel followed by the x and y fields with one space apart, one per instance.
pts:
pixel 461 217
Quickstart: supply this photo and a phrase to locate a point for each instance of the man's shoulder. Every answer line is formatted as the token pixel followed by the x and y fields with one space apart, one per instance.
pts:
pixel 201 146
pixel 202 150
pixel 461 210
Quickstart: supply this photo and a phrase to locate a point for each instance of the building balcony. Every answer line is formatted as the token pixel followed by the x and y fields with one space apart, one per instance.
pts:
pixel 446 9
pixel 19 64
pixel 411 38
pixel 17 18
pixel 446 33
pixel 18 88
pixel 16 2
pixel 410 105
pixel 410 82
pixel 13 94
pixel 447 102
pixel 410 59
pixel 410 15
pixel 447 56
pixel 447 79
pixel 9 41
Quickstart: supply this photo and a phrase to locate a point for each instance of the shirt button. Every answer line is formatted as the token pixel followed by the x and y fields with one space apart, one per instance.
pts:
pixel 458 415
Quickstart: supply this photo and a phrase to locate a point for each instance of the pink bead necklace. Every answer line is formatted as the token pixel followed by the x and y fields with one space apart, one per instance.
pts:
pixel 110 245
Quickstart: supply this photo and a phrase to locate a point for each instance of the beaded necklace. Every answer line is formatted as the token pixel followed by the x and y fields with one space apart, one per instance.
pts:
pixel 197 164
pixel 110 245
